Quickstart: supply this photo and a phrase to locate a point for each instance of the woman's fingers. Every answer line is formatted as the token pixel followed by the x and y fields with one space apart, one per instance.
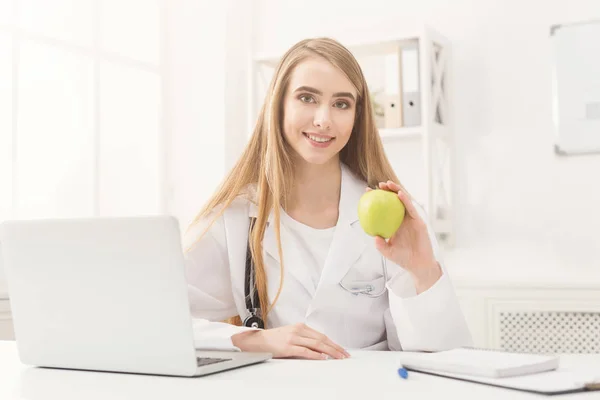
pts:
pixel 394 187
pixel 408 205
pixel 318 346
pixel 306 353
pixel 382 246
pixel 312 334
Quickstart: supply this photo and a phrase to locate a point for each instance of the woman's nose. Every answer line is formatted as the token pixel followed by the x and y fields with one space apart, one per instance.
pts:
pixel 322 118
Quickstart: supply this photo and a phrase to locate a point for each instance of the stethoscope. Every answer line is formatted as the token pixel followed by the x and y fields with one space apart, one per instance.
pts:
pixel 254 313
pixel 368 289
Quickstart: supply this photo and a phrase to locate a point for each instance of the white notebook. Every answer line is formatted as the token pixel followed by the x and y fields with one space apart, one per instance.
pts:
pixel 560 381
pixel 525 372
pixel 479 362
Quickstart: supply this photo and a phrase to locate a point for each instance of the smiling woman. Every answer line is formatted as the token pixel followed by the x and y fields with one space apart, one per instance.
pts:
pixel 288 212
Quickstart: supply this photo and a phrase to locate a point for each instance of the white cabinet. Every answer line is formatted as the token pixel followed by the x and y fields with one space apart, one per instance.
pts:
pixel 6 326
pixel 528 295
pixel 552 319
pixel 523 297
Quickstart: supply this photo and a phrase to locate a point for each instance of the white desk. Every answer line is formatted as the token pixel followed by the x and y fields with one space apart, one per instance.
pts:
pixel 366 375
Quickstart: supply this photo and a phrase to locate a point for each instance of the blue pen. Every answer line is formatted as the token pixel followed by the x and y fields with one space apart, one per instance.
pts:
pixel 403 372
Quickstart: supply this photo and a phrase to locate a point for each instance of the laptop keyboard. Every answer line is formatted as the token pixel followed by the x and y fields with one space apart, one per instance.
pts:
pixel 202 361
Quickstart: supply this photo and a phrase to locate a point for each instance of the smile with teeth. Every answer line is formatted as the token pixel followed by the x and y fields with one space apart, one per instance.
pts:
pixel 319 139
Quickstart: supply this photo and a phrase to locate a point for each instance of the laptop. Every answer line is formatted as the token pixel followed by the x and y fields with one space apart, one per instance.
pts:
pixel 105 294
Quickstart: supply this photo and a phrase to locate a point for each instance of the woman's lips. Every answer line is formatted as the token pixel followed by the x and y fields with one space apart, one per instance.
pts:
pixel 316 143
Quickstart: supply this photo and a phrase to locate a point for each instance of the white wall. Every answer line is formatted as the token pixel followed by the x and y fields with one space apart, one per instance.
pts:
pixel 516 199
pixel 195 81
pixel 208 45
pixel 238 49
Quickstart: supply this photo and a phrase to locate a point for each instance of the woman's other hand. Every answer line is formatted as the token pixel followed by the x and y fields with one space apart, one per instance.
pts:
pixel 291 341
pixel 410 247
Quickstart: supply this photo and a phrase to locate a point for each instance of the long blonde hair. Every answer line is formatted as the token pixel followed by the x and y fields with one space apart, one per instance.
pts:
pixel 267 159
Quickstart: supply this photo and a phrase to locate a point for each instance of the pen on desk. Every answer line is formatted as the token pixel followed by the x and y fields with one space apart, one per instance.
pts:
pixel 403 372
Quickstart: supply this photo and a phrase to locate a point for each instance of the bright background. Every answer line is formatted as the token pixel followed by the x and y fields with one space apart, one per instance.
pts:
pixel 129 107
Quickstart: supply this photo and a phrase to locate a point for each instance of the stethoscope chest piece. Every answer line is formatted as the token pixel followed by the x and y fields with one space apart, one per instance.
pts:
pixel 253 321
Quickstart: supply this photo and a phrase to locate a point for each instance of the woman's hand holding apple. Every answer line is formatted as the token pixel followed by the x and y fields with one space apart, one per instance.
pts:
pixel 408 243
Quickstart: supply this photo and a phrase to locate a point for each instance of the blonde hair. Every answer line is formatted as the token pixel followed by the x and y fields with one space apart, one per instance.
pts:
pixel 267 159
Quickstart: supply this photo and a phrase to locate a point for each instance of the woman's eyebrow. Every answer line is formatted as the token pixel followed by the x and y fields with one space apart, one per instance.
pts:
pixel 318 92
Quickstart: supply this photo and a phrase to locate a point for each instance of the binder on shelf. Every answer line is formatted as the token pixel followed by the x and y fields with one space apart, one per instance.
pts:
pixel 401 97
pixel 392 97
pixel 411 97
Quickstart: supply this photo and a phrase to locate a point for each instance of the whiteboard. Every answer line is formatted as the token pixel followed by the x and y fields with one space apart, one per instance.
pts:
pixel 576 87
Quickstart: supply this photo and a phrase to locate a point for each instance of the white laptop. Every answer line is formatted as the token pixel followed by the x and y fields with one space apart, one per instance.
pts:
pixel 105 294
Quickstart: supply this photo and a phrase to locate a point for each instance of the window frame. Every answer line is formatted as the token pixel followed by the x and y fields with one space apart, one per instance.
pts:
pixel 97 55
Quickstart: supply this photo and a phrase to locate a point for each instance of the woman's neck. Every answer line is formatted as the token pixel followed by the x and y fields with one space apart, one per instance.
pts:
pixel 315 195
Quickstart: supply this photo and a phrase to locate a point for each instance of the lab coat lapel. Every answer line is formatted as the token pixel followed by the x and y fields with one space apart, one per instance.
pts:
pixel 348 241
pixel 292 257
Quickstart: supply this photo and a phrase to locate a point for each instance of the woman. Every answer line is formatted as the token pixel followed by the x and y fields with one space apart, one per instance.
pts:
pixel 290 204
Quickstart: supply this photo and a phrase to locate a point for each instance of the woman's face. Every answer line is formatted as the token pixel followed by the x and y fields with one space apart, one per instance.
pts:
pixel 319 109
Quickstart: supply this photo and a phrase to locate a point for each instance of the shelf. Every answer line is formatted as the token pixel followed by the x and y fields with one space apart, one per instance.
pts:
pixel 363 49
pixel 388 134
pixel 439 131
pixel 369 42
pixel 413 132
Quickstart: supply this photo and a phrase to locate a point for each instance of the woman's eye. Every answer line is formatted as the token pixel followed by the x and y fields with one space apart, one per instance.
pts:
pixel 342 105
pixel 306 98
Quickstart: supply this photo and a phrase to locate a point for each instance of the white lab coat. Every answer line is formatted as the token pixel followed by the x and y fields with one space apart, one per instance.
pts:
pixel 398 320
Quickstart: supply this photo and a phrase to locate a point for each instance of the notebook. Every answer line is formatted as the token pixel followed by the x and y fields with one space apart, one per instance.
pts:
pixel 524 372
pixel 479 362
pixel 549 383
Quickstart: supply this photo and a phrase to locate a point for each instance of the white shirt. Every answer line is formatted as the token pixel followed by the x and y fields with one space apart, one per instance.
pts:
pixel 313 242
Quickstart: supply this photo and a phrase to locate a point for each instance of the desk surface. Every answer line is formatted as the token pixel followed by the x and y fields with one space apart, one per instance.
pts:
pixel 366 375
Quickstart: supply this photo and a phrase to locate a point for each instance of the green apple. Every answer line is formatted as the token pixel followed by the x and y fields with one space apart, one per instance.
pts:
pixel 380 213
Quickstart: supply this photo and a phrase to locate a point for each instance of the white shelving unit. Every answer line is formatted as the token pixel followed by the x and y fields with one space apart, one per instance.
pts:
pixel 6 325
pixel 435 130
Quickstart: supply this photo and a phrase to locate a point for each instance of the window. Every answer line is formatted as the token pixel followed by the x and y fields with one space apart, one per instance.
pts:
pixel 129 135
pixel 80 108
